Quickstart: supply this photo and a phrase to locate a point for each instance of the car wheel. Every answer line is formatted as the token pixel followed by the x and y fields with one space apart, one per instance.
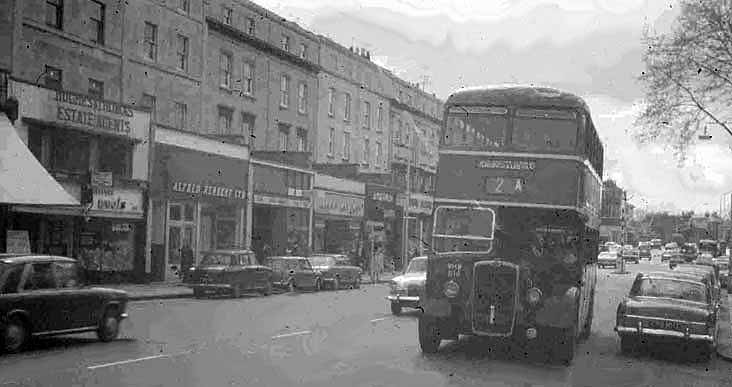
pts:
pixel 396 308
pixel 15 335
pixel 236 291
pixel 429 334
pixel 628 345
pixel 109 326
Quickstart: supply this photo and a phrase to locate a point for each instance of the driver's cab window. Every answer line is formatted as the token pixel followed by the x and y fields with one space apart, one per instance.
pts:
pixel 40 277
pixel 66 274
pixel 12 279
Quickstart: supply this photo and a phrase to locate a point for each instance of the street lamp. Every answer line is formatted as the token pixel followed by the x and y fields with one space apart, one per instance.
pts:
pixel 413 148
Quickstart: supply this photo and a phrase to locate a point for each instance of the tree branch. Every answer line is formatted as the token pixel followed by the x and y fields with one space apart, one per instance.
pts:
pixel 698 104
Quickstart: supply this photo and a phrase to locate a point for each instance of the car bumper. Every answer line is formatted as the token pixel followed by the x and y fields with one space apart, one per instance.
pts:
pixel 206 288
pixel 664 333
pixel 403 300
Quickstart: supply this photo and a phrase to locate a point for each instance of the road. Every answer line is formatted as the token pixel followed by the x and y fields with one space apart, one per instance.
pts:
pixel 344 338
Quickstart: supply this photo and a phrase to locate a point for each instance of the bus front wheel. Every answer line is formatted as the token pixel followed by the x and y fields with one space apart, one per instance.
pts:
pixel 429 334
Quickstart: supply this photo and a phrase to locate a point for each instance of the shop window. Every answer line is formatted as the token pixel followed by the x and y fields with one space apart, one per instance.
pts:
pixel 70 153
pixel 114 156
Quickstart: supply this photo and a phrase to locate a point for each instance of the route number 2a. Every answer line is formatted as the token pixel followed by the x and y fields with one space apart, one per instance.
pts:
pixel 504 185
pixel 453 270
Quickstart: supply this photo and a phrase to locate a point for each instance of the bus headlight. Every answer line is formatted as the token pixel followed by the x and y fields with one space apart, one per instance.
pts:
pixel 533 295
pixel 451 289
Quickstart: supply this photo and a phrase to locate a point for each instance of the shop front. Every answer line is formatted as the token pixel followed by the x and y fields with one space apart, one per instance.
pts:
pixel 382 224
pixel 281 209
pixel 339 213
pixel 199 202
pixel 98 151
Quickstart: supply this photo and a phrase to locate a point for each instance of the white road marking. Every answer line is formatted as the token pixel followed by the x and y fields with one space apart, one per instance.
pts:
pixel 291 334
pixel 130 361
pixel 379 319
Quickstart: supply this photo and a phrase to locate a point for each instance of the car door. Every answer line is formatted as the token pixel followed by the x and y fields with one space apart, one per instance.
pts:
pixel 81 303
pixel 42 300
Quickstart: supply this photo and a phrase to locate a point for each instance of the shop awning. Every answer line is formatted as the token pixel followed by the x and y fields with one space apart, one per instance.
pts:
pixel 23 180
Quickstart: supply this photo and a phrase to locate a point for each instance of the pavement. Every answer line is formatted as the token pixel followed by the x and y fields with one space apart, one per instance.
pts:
pixel 168 290
pixel 333 338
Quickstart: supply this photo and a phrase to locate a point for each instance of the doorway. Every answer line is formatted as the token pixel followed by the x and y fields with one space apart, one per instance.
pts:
pixel 181 237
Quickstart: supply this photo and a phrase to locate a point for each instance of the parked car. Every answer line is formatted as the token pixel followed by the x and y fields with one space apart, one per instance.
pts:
pixel 229 271
pixel 336 270
pixel 42 295
pixel 407 288
pixel 294 273
pixel 670 307
pixel 608 258
pixel 631 254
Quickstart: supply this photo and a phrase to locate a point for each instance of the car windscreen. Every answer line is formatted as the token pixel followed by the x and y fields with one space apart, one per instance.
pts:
pixel 321 261
pixel 417 266
pixel 218 259
pixel 671 288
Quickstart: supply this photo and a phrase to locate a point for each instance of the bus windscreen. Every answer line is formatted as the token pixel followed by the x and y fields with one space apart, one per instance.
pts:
pixel 538 130
pixel 479 127
pixel 467 223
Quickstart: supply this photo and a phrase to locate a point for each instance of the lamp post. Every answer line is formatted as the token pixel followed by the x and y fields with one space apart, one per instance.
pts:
pixel 412 147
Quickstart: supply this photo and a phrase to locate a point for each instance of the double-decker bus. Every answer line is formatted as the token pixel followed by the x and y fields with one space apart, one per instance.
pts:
pixel 516 220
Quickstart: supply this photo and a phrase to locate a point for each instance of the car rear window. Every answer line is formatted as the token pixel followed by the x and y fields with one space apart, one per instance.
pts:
pixel 671 288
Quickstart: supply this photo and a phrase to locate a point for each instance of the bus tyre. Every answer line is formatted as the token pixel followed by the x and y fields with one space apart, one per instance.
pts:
pixel 429 334
pixel 588 323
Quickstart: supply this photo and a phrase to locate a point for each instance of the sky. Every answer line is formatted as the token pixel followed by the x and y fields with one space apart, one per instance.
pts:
pixel 589 47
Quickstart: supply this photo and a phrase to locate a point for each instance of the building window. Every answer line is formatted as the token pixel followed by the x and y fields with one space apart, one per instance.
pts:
pixel 226 15
pixel 378 154
pixel 148 102
pixel 347 107
pixel 251 26
pixel 346 146
pixel 247 127
pixel 303 51
pixel 284 91
pixel 184 5
pixel 53 78
pixel 96 88
pixel 284 132
pixel 366 156
pixel 331 142
pixel 182 52
pixel 225 70
pixel 224 121
pixel 285 43
pixel 55 13
pixel 115 156
pixel 302 97
pixel 366 114
pixel 247 77
pixel 380 117
pixel 181 115
pixel 331 101
pixel 96 21
pixel 150 42
pixel 302 140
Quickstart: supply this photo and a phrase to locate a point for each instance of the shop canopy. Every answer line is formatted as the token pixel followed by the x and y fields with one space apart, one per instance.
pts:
pixel 23 180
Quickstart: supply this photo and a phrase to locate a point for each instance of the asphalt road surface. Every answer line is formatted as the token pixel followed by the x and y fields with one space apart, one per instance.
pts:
pixel 344 338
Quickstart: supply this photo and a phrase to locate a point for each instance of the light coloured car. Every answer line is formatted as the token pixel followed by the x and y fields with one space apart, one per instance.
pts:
pixel 407 288
pixel 608 258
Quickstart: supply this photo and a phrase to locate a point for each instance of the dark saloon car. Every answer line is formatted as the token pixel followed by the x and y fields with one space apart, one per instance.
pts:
pixel 294 273
pixel 43 295
pixel 668 307
pixel 336 271
pixel 631 254
pixel 708 273
pixel 407 288
pixel 229 272
pixel 644 251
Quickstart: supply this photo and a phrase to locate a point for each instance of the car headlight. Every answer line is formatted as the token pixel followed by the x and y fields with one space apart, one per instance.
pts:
pixel 451 289
pixel 533 295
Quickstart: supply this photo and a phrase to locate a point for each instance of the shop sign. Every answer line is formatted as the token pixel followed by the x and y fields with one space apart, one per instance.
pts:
pixel 101 179
pixel 84 110
pixel 120 200
pixel 420 205
pixel 17 241
pixel 121 227
pixel 381 196
pixel 209 190
pixel 333 203
pixel 280 201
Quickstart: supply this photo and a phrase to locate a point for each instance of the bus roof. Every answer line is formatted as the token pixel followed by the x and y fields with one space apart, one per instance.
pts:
pixel 536 96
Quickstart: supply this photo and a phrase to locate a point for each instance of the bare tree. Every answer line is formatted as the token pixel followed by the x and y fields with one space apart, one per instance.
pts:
pixel 688 76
